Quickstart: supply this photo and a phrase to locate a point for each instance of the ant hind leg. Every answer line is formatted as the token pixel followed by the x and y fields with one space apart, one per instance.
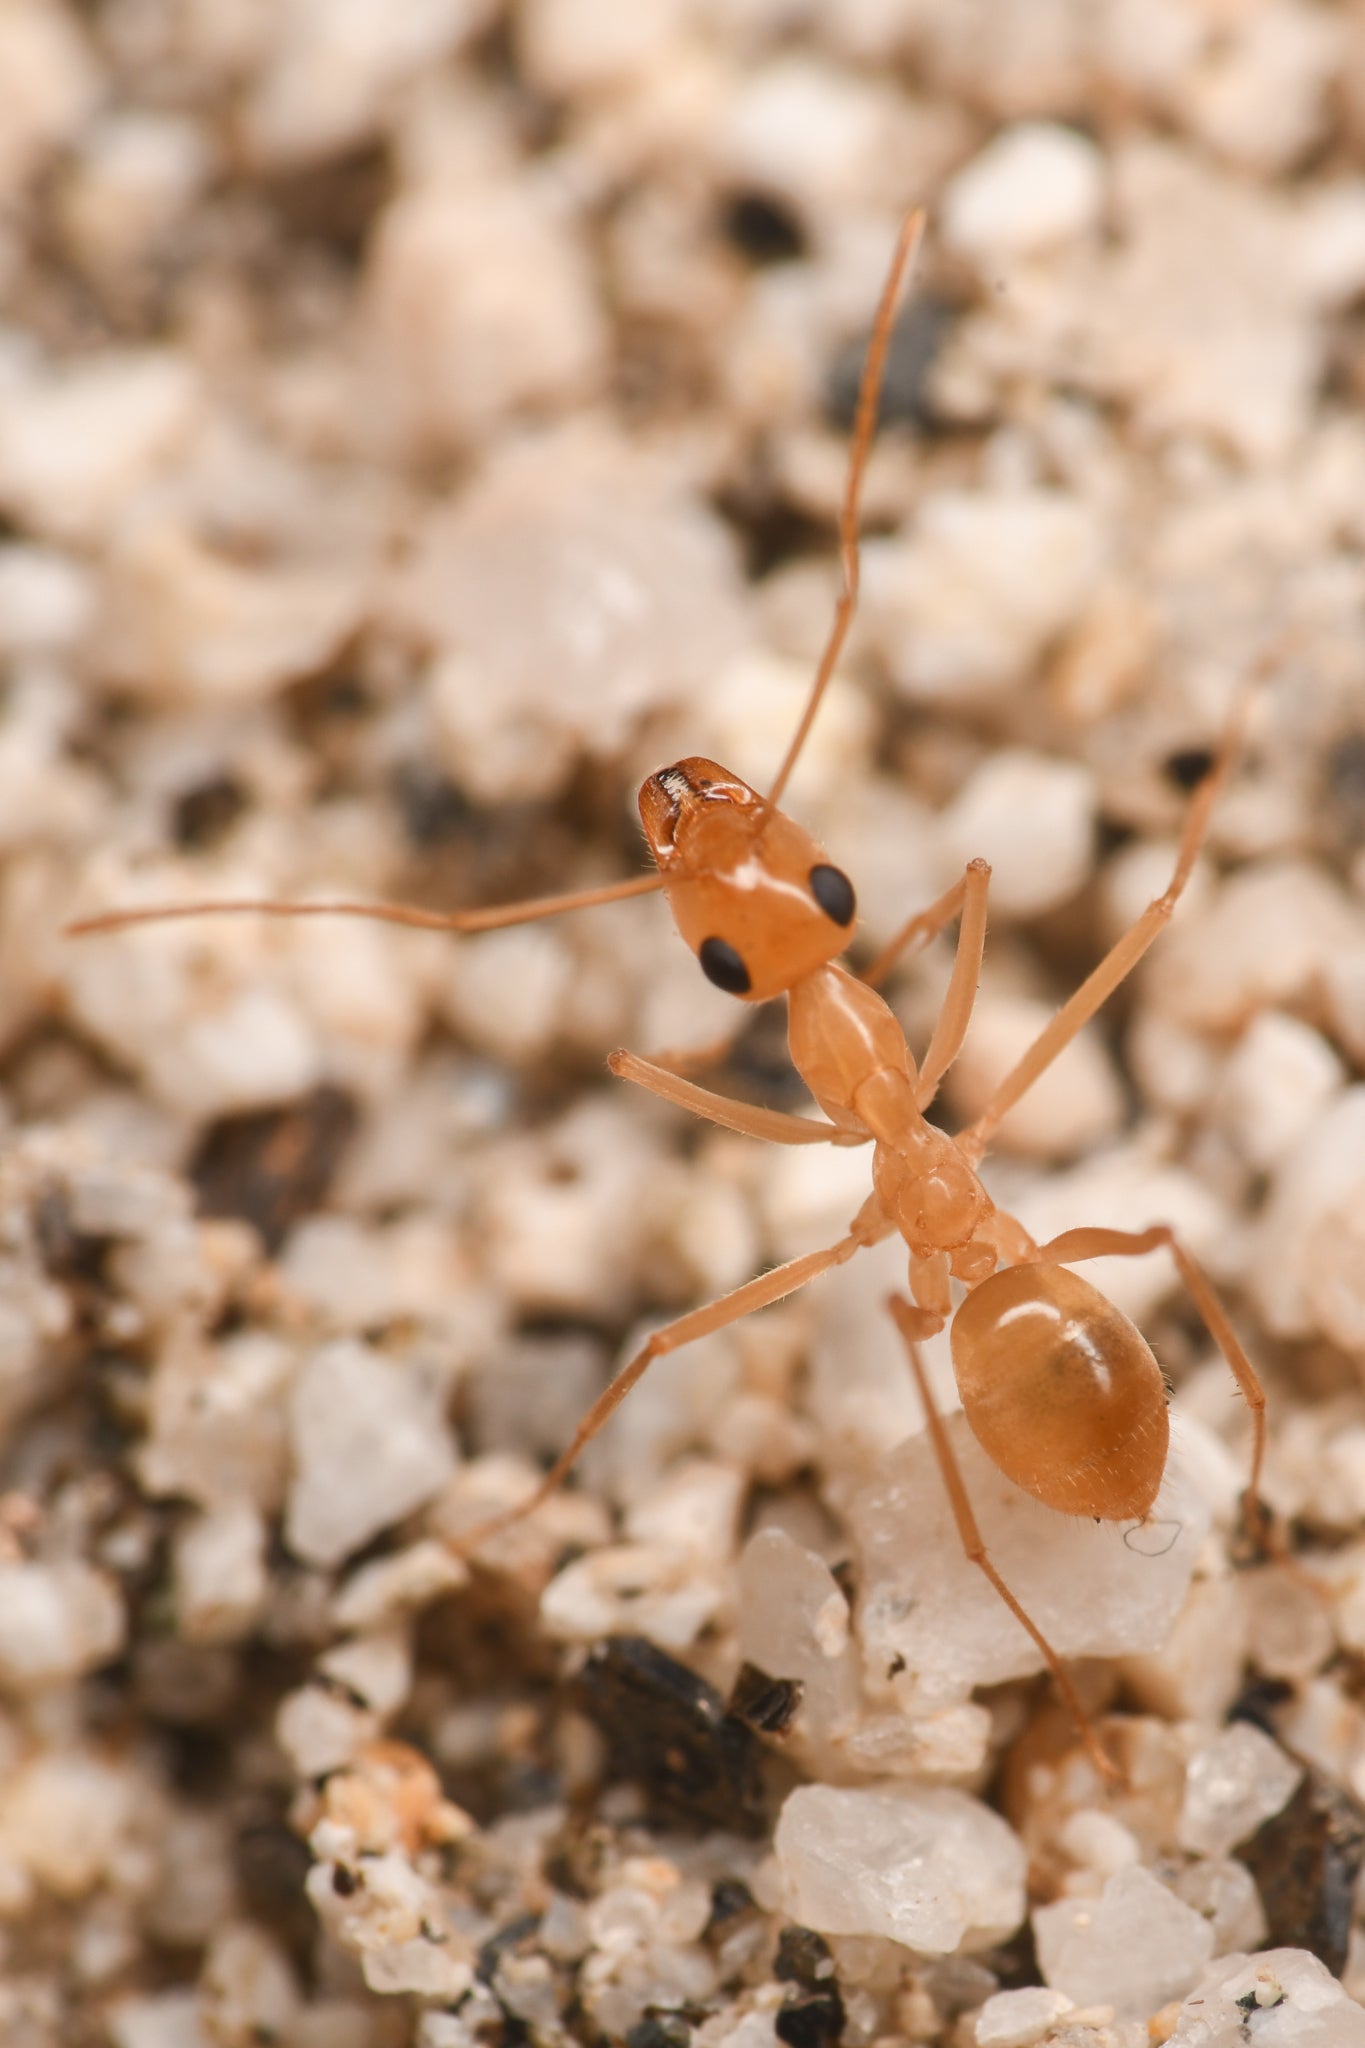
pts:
pixel 868 1227
pixel 1098 1243
pixel 914 1324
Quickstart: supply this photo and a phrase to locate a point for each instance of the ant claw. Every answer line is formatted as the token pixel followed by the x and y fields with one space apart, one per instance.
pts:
pixel 1257 1538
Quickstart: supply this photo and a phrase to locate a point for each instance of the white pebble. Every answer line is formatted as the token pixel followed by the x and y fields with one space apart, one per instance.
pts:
pixel 811 133
pixel 1223 350
pixel 145 997
pixel 1134 1948
pixel 927 1612
pixel 681 1401
pixel 1273 1084
pixel 321 1731
pixel 480 302
pixel 77 444
pixel 374 1669
pixel 1071 1107
pixel 1331 251
pixel 794 1623
pixel 217 1427
pixel 57 1621
pixel 411 1578
pixel 1232 1784
pixel 398 1925
pixel 1282 1998
pixel 112 1200
pixel 1173 1065
pixel 1016 2019
pixel 576 47
pixel 1262 94
pixel 220 1573
pixel 572 589
pixel 51 84
pixel 370 1444
pixel 695 1507
pixel 648 1589
pixel 745 713
pixel 1224 1891
pixel 46 600
pixel 344 1272
pixel 157 2019
pixel 67 1815
pixel 504 992
pixel 561 1216
pixel 135 179
pixel 1032 187
pixel 1264 938
pixel 185 619
pixel 247 1987
pixel 1033 818
pixel 963 605
pixel 1291 1637
pixel 1196 1673
pixel 1094 1840
pixel 1343 991
pixel 930 1868
pixel 335 71
pixel 1306 1271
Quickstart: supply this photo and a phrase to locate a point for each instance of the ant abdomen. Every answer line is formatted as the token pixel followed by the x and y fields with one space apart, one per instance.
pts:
pixel 1062 1392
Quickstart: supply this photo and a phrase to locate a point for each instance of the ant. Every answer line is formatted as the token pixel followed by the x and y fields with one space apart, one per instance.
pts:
pixel 1059 1387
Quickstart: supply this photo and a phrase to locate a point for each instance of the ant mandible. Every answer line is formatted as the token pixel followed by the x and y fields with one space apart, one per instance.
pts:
pixel 1059 1387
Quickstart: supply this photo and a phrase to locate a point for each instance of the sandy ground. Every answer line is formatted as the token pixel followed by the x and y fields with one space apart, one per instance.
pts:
pixel 418 424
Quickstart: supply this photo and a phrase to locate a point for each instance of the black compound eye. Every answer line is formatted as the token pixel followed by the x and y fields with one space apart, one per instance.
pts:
pixel 833 891
pixel 721 963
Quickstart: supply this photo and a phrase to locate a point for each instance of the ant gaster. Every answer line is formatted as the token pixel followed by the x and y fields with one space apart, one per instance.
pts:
pixel 1060 1389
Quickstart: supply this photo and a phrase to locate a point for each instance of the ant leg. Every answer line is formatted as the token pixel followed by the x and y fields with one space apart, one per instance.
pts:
pixel 744 1117
pixel 869 1227
pixel 945 1042
pixel 1118 962
pixel 1099 1243
pixel 492 919
pixel 911 1324
pixel 915 934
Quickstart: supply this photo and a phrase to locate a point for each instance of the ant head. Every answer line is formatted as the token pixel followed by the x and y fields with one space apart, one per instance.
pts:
pixel 751 893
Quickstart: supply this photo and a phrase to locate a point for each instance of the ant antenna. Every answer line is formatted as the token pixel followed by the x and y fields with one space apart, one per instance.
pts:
pixel 492 919
pixel 495 918
pixel 864 425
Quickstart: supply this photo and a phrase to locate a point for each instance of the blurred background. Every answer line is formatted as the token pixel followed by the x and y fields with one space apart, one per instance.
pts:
pixel 417 423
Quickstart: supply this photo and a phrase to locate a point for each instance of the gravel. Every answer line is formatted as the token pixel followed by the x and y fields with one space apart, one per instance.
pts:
pixel 416 425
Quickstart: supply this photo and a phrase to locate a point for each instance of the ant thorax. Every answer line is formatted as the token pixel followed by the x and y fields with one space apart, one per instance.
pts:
pixel 850 1051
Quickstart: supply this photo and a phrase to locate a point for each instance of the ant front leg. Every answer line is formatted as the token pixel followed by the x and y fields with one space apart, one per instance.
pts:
pixel 1098 1243
pixel 917 931
pixel 869 1227
pixel 967 900
pixel 915 1324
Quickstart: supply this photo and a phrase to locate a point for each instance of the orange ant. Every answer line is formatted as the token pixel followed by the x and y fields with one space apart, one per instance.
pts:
pixel 1060 1389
